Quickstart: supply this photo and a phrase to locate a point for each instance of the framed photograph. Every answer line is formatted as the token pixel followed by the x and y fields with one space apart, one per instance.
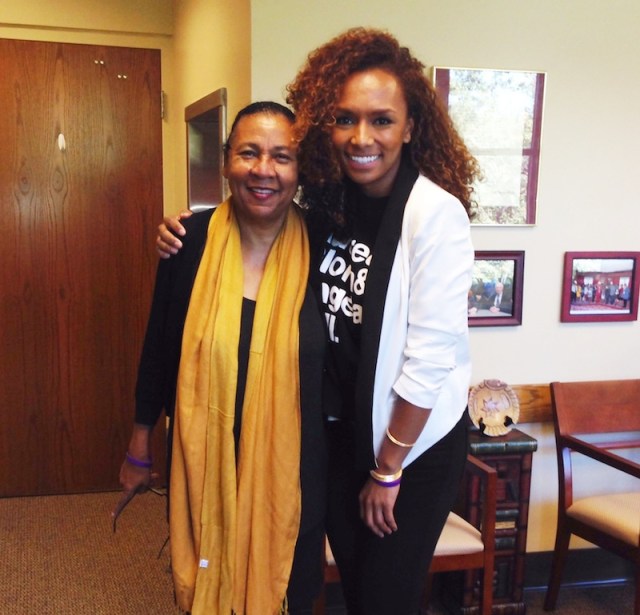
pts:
pixel 495 296
pixel 600 286
pixel 498 113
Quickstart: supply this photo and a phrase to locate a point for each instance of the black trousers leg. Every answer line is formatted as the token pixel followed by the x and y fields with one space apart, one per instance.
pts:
pixel 343 516
pixel 385 576
pixel 305 581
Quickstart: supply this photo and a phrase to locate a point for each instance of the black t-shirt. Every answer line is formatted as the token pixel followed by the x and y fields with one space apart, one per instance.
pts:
pixel 343 275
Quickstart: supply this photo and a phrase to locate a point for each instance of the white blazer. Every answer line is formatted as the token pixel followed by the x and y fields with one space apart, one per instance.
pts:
pixel 423 352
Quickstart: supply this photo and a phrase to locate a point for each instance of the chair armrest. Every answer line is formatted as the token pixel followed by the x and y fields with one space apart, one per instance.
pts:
pixel 478 467
pixel 601 454
pixel 488 477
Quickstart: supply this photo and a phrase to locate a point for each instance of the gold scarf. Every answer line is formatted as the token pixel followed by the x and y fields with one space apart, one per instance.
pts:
pixel 234 523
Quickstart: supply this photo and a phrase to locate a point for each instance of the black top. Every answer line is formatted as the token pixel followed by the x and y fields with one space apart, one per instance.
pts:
pixel 385 245
pixel 158 369
pixel 244 346
pixel 343 276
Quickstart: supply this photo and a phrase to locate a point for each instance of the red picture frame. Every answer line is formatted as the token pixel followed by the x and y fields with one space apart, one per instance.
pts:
pixel 600 287
pixel 495 296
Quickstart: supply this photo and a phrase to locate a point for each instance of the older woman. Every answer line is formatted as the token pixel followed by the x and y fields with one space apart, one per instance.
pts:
pixel 235 341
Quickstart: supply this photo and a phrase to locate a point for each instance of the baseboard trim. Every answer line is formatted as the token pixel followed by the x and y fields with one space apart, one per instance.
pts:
pixel 584 567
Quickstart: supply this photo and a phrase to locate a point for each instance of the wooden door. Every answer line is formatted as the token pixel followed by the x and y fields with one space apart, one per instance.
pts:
pixel 80 197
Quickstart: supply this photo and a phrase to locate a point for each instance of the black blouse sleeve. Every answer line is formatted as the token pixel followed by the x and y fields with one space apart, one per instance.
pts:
pixel 158 368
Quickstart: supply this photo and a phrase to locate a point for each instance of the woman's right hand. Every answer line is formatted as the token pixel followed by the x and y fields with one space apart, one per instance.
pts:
pixel 167 243
pixel 376 508
pixel 135 478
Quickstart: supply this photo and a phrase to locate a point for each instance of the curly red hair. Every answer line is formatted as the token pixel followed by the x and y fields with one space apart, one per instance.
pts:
pixel 435 149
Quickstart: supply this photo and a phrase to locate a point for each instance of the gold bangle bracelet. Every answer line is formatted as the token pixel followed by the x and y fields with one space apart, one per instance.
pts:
pixel 386 478
pixel 397 442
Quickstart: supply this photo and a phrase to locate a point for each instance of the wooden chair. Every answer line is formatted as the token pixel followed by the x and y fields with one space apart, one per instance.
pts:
pixel 596 419
pixel 466 544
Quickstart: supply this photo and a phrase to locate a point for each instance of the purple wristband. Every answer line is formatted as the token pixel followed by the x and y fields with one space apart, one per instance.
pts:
pixel 393 483
pixel 137 462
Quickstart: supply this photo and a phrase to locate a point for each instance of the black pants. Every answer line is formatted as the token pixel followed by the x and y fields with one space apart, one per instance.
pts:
pixel 386 576
pixel 305 581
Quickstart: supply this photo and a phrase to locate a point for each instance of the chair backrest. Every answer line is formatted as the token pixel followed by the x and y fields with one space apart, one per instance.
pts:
pixel 604 406
pixel 580 410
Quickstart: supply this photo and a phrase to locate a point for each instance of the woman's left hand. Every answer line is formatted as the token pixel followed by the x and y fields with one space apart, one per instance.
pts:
pixel 376 508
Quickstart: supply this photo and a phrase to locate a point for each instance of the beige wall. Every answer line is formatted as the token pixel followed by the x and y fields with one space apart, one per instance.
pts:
pixel 116 16
pixel 588 195
pixel 212 50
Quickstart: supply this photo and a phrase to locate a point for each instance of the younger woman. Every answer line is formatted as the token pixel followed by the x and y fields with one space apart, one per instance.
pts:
pixel 390 180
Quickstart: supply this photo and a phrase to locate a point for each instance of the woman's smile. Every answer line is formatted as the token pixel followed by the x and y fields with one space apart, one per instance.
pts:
pixel 364 160
pixel 262 168
pixel 371 126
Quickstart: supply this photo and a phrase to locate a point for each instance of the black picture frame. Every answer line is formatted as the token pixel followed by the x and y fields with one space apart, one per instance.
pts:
pixel 495 296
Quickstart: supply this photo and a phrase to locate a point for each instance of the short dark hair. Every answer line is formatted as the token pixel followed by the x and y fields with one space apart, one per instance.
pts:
pixel 268 107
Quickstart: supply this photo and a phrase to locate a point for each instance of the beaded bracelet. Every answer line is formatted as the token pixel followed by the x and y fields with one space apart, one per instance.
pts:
pixel 138 462
pixel 397 442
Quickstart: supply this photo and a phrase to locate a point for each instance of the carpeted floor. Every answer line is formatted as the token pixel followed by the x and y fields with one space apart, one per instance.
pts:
pixel 602 600
pixel 59 556
pixel 608 600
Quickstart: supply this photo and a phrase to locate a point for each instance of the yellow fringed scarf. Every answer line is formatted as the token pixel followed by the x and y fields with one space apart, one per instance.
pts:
pixel 234 524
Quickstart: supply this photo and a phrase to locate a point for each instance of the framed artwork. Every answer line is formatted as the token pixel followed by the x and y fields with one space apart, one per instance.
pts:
pixel 498 114
pixel 600 286
pixel 495 296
